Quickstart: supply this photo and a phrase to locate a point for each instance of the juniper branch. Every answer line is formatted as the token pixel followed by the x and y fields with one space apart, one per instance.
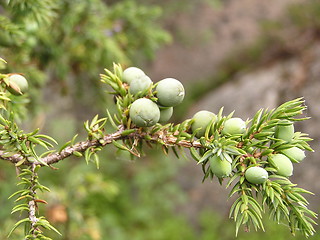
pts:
pixel 164 138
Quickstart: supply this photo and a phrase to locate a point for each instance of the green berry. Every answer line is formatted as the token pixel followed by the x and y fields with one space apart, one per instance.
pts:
pixel 18 85
pixel 144 112
pixel 256 175
pixel 284 132
pixel 140 84
pixel 201 120
pixel 282 163
pixel 295 154
pixel 234 126
pixel 165 114
pixel 131 73
pixel 170 92
pixel 220 168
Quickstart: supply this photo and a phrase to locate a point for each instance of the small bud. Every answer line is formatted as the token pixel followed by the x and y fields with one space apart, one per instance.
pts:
pixel 234 126
pixel 282 163
pixel 170 92
pixel 144 112
pixel 201 120
pixel 18 84
pixel 256 175
pixel 132 73
pixel 220 167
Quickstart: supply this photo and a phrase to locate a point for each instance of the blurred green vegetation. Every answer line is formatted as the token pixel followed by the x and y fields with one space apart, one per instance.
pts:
pixel 61 46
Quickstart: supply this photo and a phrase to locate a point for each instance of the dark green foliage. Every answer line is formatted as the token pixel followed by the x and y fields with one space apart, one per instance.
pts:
pixel 73 40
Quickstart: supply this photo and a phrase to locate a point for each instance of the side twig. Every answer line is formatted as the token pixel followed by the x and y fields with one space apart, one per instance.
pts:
pixel 32 205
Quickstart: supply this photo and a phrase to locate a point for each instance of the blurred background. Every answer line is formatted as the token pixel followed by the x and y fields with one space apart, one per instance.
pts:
pixel 243 55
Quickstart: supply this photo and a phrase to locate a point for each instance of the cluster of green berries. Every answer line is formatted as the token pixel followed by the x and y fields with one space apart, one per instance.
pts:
pixel 154 104
pixel 145 112
pixel 281 161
